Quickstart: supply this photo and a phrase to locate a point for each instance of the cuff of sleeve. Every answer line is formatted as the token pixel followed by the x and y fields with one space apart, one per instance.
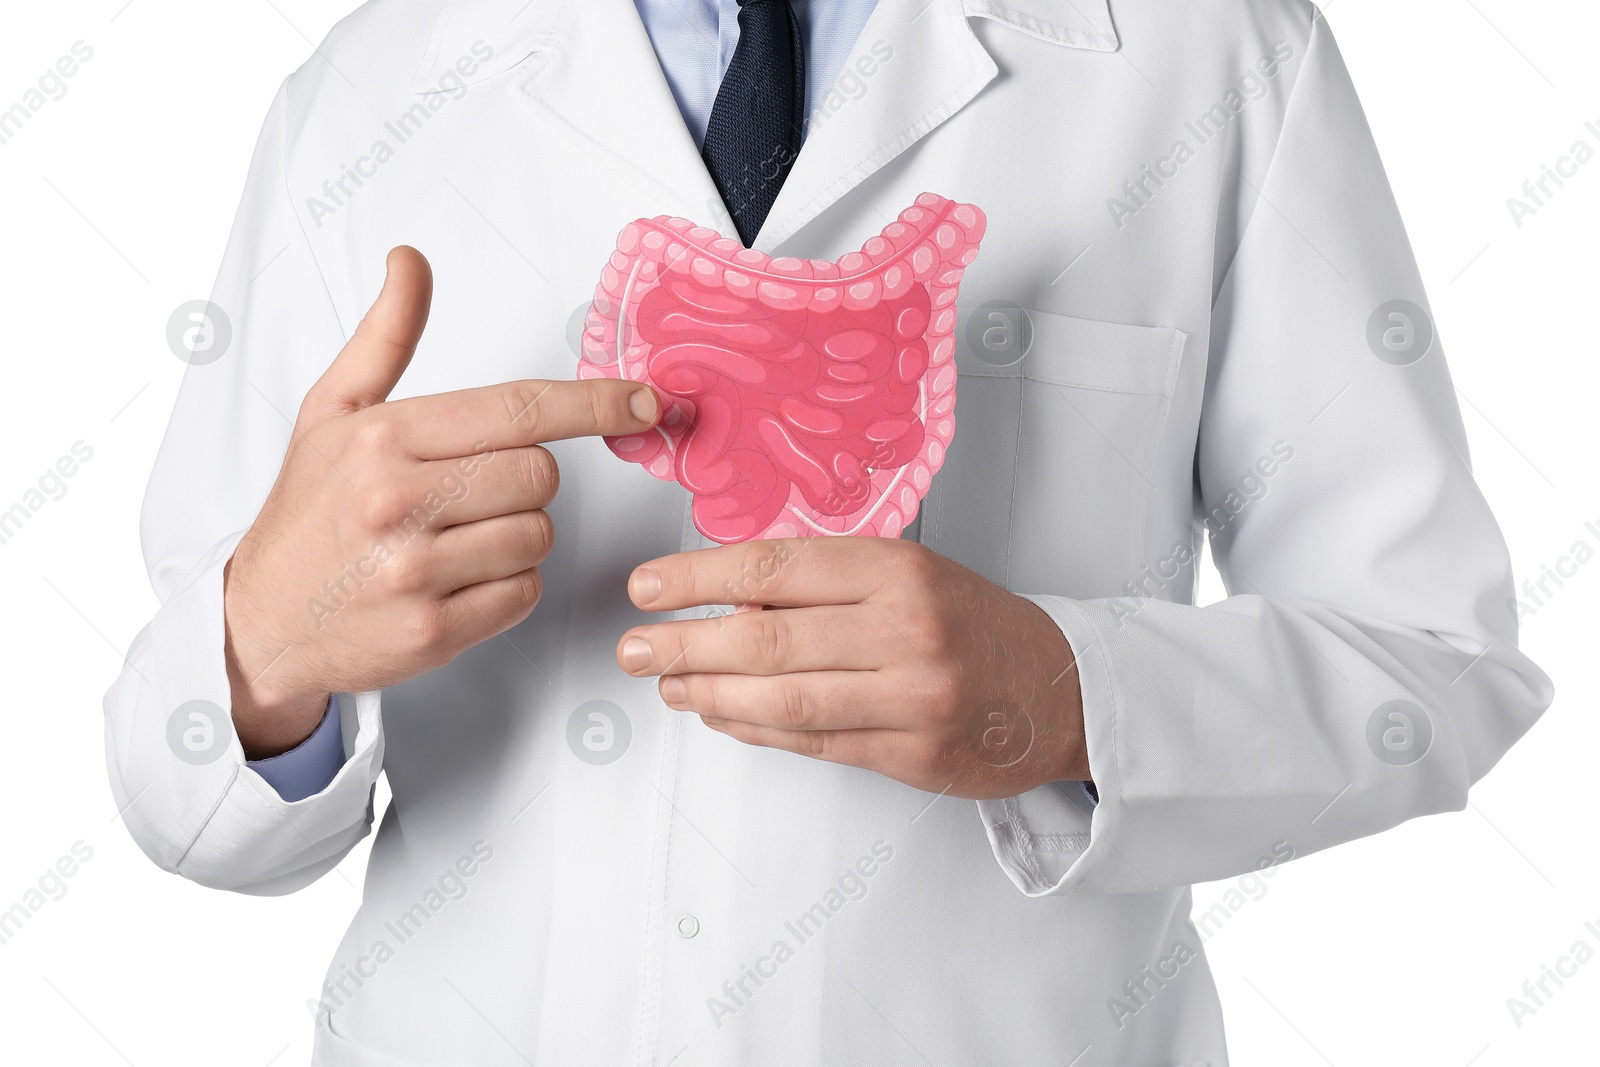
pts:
pixel 195 806
pixel 1059 838
pixel 310 766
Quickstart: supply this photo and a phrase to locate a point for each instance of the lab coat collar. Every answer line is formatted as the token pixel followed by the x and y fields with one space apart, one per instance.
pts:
pixel 587 69
pixel 514 29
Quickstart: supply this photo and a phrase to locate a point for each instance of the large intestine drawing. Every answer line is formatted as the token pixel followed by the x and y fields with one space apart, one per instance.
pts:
pixel 802 397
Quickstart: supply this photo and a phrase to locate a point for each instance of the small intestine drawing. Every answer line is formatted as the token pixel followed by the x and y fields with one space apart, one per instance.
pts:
pixel 802 397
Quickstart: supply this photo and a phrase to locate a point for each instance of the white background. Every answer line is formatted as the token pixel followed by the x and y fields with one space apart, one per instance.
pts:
pixel 1401 949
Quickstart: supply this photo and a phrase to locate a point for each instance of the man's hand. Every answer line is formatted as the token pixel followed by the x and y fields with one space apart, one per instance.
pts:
pixel 884 655
pixel 399 533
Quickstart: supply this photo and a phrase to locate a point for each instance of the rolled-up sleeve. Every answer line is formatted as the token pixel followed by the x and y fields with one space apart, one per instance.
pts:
pixel 177 770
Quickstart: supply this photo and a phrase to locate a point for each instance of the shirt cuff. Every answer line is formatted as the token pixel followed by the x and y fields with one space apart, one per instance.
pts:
pixel 309 767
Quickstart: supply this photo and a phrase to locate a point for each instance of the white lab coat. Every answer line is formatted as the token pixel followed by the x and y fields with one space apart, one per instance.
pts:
pixel 1202 354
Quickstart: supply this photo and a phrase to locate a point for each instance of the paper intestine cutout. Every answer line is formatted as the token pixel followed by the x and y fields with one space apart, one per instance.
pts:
pixel 801 397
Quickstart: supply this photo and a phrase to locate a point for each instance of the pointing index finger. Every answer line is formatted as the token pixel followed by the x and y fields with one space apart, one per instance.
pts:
pixel 521 413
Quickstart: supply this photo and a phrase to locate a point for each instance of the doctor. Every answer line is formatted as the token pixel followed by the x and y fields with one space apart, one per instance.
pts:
pixel 629 827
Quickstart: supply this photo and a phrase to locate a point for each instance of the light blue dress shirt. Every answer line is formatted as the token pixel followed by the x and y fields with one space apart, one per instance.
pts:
pixel 694 42
pixel 309 767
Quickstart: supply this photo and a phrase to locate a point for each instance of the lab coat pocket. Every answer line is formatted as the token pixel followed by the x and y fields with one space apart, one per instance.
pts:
pixel 1048 479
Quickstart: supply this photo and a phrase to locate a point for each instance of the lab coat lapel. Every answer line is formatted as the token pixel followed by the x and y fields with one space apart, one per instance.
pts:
pixel 935 66
pixel 598 83
pixel 918 63
pixel 586 69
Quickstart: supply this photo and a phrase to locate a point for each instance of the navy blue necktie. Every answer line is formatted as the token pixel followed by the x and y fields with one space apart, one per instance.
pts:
pixel 753 135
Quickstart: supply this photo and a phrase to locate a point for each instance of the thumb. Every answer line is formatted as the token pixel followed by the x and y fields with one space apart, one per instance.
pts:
pixel 370 364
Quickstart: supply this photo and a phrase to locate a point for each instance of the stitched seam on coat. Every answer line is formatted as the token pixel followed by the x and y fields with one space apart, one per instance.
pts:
pixel 1024 845
pixel 430 54
pixel 668 726
pixel 1048 31
pixel 1157 431
pixel 222 797
pixel 556 41
pixel 1266 175
pixel 1063 842
pixel 311 248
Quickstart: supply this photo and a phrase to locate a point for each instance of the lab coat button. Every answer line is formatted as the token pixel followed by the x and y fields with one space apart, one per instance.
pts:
pixel 688 926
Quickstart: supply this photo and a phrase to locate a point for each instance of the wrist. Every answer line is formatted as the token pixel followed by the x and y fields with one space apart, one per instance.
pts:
pixel 269 713
pixel 270 723
pixel 271 726
pixel 1060 700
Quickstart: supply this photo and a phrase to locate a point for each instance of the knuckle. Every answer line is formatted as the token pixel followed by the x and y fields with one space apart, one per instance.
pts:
pixel 605 404
pixel 408 571
pixel 767 558
pixel 374 434
pixel 796 709
pixel 527 587
pixel 521 400
pixel 541 475
pixel 426 630
pixel 382 506
pixel 768 635
pixel 762 563
pixel 511 604
pixel 920 565
pixel 541 534
pixel 813 743
pixel 930 634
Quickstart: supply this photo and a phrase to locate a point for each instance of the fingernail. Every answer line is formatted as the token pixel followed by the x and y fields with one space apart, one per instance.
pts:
pixel 644 405
pixel 646 586
pixel 673 691
pixel 636 654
